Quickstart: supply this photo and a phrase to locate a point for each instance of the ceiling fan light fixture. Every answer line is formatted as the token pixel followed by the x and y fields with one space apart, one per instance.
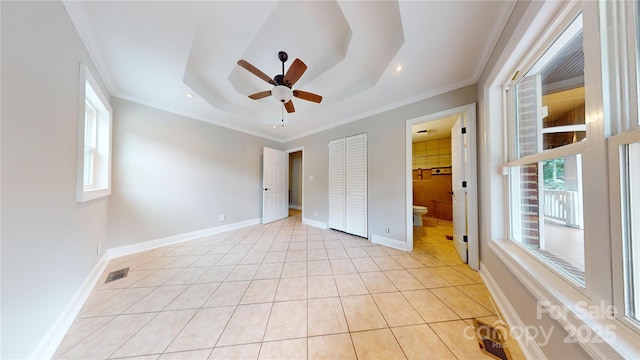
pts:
pixel 282 93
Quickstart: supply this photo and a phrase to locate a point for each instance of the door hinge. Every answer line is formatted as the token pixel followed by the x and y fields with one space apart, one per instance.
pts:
pixel 463 130
pixel 465 238
pixel 464 184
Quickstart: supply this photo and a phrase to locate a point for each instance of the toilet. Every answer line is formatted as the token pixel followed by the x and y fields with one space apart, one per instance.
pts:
pixel 418 213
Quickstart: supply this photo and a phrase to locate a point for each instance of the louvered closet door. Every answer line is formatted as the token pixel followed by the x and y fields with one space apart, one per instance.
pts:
pixel 356 185
pixel 337 213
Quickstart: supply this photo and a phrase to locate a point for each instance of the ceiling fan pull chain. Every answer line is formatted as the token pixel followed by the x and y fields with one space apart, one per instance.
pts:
pixel 282 110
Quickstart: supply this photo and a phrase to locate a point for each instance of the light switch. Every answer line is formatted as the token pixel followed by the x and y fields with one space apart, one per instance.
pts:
pixel 310 177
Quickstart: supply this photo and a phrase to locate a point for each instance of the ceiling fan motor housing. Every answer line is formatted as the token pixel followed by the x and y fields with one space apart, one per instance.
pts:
pixel 279 79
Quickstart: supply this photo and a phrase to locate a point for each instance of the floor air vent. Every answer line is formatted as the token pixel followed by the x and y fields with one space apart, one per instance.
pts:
pixel 118 274
pixel 491 340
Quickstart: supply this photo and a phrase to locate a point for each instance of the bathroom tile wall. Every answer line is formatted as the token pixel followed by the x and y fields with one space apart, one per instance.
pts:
pixel 433 192
pixel 432 153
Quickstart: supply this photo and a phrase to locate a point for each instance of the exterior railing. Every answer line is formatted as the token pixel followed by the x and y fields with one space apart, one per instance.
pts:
pixel 563 206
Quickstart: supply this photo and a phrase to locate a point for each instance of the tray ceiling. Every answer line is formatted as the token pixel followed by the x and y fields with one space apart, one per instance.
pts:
pixel 157 52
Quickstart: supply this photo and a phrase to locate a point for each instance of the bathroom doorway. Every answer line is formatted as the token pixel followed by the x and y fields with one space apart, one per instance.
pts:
pixel 295 181
pixel 430 171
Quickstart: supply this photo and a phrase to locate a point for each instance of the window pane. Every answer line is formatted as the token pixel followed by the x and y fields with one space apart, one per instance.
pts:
pixel 90 125
pixel 546 211
pixel 89 168
pixel 90 144
pixel 550 109
pixel 632 238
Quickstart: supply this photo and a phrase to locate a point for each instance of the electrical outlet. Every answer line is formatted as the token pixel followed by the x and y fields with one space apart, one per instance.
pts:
pixel 221 218
pixel 98 249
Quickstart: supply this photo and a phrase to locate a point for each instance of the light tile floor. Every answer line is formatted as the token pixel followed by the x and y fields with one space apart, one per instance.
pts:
pixel 286 290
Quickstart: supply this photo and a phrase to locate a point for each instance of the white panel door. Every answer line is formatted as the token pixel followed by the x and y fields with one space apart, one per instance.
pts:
pixel 356 185
pixel 275 178
pixel 459 165
pixel 337 215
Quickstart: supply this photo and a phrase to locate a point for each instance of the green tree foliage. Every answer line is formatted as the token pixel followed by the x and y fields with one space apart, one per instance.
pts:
pixel 553 173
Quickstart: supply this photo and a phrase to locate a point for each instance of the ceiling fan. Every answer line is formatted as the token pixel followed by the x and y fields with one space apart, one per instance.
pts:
pixel 282 83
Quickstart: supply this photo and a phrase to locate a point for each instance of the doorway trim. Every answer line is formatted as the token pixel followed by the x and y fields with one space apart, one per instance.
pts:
pixel 469 111
pixel 289 151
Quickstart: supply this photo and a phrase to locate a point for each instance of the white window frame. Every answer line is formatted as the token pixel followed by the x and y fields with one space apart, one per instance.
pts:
pixel 621 81
pixel 91 93
pixel 540 25
pixel 563 30
pixel 620 223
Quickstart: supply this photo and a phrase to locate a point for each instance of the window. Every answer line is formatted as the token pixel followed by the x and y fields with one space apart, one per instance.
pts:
pixel 548 127
pixel 94 148
pixel 593 154
pixel 624 155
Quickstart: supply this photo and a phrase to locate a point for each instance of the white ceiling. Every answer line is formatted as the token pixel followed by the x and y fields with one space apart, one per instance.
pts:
pixel 157 52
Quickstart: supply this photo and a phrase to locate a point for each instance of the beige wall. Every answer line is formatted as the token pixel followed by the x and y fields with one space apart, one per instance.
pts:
pixel 49 242
pixel 386 137
pixel 171 175
pixel 174 175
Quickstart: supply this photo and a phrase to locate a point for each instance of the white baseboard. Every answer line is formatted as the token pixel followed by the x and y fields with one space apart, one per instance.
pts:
pixel 392 243
pixel 296 207
pixel 318 224
pixel 174 239
pixel 48 345
pixel 52 339
pixel 529 346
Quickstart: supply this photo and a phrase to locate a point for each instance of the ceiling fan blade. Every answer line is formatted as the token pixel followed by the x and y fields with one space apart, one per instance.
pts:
pixel 289 106
pixel 307 96
pixel 295 72
pixel 255 71
pixel 260 95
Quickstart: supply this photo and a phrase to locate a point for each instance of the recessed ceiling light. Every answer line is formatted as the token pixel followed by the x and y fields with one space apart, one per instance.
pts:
pixel 190 96
pixel 399 68
pixel 274 126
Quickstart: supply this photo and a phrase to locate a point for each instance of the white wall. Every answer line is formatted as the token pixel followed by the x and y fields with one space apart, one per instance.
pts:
pixel 174 175
pixel 48 240
pixel 386 162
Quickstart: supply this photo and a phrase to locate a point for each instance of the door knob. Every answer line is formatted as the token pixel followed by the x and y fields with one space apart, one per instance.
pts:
pixel 265 189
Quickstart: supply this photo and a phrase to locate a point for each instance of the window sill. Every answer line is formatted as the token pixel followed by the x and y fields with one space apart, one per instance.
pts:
pixel 93 194
pixel 598 333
